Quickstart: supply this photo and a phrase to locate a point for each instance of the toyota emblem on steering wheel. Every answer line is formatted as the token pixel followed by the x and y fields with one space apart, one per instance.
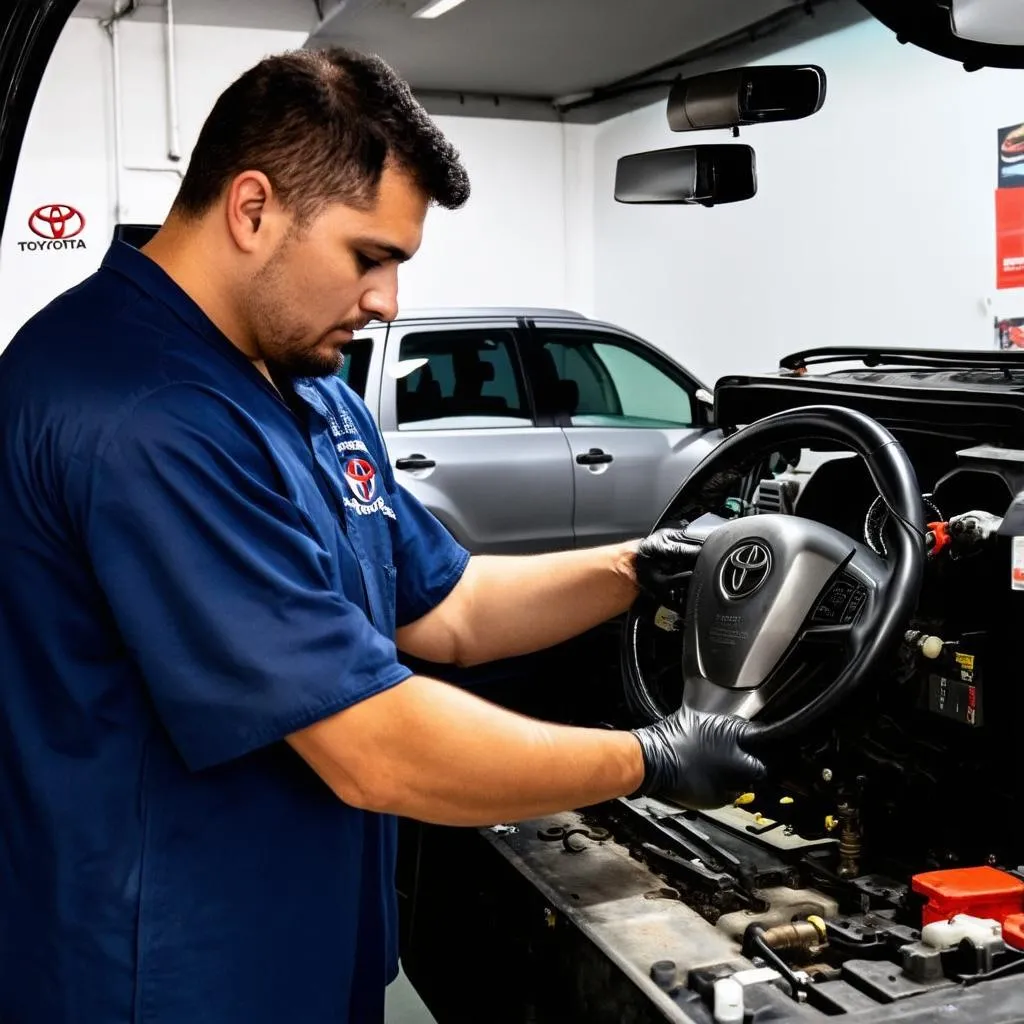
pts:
pixel 745 569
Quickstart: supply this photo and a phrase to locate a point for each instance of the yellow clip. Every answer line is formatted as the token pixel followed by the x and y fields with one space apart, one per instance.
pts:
pixel 787 800
pixel 744 799
pixel 830 823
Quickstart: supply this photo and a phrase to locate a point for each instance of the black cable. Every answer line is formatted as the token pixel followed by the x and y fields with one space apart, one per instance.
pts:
pixel 755 939
pixel 770 956
pixel 1013 967
pixel 915 530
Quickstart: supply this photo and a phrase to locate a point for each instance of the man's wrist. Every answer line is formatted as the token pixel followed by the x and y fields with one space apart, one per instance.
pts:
pixel 624 561
pixel 634 764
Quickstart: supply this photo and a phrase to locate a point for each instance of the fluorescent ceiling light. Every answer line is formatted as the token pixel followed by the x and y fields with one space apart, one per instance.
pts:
pixel 435 8
pixel 989 21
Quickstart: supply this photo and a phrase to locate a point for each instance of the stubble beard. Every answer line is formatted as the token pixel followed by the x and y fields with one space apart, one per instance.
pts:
pixel 282 339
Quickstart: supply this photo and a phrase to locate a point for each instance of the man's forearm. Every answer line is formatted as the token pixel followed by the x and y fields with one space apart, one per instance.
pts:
pixel 429 751
pixel 516 605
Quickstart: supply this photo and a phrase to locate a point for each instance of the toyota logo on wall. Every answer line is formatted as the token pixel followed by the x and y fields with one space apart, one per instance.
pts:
pixel 745 569
pixel 56 226
pixel 58 220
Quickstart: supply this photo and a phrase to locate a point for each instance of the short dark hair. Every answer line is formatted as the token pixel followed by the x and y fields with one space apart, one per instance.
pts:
pixel 322 125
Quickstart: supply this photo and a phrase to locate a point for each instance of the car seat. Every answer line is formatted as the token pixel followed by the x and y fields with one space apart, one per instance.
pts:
pixel 553 395
pixel 422 402
pixel 471 373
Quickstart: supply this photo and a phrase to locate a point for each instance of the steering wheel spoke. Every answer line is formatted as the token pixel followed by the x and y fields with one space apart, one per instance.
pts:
pixel 845 602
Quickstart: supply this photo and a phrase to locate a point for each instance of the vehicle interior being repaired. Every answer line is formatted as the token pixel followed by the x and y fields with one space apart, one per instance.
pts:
pixel 855 589
pixel 862 608
pixel 855 585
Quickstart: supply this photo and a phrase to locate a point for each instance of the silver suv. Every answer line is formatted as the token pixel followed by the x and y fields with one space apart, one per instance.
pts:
pixel 531 429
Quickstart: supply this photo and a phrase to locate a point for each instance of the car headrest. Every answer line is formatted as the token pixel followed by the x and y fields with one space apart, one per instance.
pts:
pixel 567 396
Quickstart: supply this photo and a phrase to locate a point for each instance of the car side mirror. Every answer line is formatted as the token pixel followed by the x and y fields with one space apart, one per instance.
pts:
pixel 691 175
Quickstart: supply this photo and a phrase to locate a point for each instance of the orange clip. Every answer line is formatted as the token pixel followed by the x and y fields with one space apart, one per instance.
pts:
pixel 939 532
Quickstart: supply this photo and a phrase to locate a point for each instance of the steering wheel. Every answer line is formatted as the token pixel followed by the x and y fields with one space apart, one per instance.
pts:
pixel 769 603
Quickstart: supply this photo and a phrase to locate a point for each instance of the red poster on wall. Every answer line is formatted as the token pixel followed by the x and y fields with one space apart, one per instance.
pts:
pixel 1010 238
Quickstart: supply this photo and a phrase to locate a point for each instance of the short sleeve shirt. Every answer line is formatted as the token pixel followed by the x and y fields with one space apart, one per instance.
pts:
pixel 192 569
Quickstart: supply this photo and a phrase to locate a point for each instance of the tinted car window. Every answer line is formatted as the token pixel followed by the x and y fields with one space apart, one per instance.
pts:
pixel 355 367
pixel 460 379
pixel 602 381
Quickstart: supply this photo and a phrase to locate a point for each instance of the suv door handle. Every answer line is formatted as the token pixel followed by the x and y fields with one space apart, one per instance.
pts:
pixel 595 457
pixel 415 462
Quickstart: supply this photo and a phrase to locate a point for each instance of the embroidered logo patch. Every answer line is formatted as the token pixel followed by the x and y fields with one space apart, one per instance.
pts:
pixel 361 478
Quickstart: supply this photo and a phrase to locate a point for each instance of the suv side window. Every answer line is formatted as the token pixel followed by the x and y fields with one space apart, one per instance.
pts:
pixel 460 379
pixel 355 366
pixel 604 381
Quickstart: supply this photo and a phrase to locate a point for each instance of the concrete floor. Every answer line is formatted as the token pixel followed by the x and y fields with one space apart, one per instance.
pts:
pixel 404 1006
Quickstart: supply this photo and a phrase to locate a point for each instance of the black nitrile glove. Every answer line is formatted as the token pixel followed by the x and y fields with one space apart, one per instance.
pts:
pixel 695 759
pixel 664 564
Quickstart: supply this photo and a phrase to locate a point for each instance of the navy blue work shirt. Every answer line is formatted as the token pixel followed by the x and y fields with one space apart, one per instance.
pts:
pixel 190 570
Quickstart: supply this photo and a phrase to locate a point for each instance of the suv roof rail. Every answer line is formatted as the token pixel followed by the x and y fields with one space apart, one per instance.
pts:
pixel 476 312
pixel 922 357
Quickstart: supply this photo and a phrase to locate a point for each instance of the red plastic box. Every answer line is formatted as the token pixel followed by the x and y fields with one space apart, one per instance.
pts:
pixel 980 892
pixel 1013 931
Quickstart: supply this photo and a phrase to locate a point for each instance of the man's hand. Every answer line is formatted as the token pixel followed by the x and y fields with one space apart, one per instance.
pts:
pixel 664 564
pixel 695 759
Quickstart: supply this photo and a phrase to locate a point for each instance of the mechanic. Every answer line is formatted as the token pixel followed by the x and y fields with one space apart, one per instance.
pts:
pixel 210 571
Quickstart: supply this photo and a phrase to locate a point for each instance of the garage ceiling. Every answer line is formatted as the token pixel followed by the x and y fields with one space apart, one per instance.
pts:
pixel 574 60
pixel 582 60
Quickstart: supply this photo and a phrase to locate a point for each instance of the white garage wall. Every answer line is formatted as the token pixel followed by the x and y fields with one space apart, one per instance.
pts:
pixel 874 222
pixel 508 246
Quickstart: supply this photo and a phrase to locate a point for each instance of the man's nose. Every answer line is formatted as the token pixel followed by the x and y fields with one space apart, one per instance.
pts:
pixel 381 300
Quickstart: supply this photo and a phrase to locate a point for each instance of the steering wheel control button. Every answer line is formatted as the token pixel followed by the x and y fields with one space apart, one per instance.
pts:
pixel 832 606
pixel 745 569
pixel 842 604
pixel 860 595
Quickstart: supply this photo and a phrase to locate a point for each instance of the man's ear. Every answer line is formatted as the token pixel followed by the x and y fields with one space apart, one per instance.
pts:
pixel 250 205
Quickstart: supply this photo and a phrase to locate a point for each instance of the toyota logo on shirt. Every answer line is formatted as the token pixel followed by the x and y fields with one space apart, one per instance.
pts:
pixel 361 478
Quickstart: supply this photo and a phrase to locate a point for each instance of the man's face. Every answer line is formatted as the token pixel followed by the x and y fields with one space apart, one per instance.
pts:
pixel 332 276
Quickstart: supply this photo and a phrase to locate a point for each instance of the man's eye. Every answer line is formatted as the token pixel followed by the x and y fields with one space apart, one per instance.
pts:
pixel 366 262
